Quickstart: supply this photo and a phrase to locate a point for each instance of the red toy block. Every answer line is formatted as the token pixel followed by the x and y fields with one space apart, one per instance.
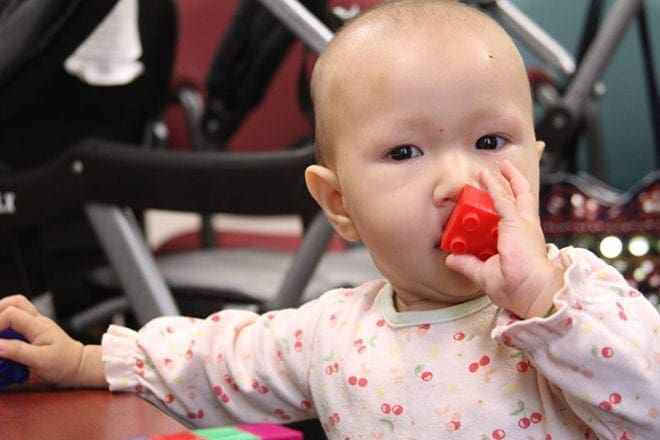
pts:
pixel 472 226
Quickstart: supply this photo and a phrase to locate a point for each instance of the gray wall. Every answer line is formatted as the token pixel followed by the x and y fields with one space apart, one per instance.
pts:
pixel 628 139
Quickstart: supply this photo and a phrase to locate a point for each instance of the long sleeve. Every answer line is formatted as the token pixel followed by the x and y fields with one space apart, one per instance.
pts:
pixel 232 366
pixel 471 370
pixel 600 351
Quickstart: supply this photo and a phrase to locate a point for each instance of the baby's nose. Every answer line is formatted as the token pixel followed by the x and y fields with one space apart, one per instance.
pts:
pixel 453 173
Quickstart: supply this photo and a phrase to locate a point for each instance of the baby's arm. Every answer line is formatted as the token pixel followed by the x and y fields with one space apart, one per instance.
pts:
pixel 600 350
pixel 520 278
pixel 50 354
pixel 233 366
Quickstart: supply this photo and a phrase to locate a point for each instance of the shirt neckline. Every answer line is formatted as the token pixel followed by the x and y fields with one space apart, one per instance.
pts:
pixel 406 319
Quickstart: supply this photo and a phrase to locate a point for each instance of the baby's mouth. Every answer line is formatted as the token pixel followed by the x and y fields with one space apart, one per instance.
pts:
pixel 437 241
pixel 438 238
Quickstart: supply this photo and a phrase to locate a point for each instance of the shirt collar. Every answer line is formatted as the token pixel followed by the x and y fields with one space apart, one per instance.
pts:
pixel 406 319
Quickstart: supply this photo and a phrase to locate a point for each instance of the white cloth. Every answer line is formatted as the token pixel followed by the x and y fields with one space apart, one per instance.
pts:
pixel 109 56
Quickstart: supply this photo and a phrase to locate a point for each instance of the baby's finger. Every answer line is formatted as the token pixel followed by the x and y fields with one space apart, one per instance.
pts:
pixel 18 301
pixel 522 190
pixel 23 322
pixel 19 351
pixel 467 265
pixel 503 198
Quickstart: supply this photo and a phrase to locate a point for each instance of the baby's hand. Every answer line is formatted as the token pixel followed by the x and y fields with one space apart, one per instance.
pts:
pixel 50 353
pixel 520 277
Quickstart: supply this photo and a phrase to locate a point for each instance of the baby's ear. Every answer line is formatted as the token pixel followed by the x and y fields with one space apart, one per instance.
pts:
pixel 540 146
pixel 323 185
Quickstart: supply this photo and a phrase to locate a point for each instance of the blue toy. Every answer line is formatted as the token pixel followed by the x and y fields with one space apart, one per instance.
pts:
pixel 12 372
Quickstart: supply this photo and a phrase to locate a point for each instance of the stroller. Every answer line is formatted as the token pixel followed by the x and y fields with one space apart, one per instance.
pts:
pixel 85 167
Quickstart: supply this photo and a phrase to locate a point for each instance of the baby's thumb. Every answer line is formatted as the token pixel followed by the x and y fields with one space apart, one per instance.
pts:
pixel 467 265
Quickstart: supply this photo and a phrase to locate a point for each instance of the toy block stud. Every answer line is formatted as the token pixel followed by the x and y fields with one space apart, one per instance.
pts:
pixel 472 226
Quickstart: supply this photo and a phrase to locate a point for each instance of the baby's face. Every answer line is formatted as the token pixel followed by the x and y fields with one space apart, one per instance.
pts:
pixel 421 117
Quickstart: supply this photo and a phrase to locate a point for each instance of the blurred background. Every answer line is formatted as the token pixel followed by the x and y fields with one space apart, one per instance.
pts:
pixel 198 55
pixel 628 140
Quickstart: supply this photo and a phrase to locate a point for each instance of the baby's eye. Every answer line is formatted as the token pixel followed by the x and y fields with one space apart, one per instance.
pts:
pixel 490 142
pixel 404 152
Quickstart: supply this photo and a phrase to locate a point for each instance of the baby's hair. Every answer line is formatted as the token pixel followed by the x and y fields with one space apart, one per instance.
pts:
pixel 403 14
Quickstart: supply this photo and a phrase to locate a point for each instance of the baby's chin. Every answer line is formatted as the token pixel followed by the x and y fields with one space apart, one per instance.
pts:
pixel 451 289
pixel 459 287
pixel 464 292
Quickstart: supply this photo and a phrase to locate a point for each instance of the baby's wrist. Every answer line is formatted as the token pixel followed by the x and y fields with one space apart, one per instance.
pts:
pixel 543 305
pixel 90 372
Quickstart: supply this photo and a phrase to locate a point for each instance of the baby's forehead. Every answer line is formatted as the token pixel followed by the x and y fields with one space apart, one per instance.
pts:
pixel 367 46
pixel 384 30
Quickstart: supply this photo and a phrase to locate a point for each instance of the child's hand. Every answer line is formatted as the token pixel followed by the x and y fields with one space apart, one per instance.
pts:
pixel 520 277
pixel 51 354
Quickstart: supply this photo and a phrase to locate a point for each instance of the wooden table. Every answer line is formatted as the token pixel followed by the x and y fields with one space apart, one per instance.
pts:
pixel 31 414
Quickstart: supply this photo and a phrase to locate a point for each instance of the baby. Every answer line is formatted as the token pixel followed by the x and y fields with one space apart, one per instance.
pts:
pixel 413 100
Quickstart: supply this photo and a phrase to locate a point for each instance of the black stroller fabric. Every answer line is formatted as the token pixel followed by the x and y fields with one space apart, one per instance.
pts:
pixel 251 51
pixel 44 110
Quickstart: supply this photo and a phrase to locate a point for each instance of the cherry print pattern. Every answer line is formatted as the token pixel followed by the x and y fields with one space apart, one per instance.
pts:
pixel 298 345
pixel 332 368
pixel 483 361
pixel 499 434
pixel 423 329
pixel 260 387
pixel 454 423
pixel 392 411
pixel 622 313
pixel 526 419
pixel 282 415
pixel 613 399
pixel 220 392
pixel 604 352
pixel 349 346
pixel 359 381
pixel 423 373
